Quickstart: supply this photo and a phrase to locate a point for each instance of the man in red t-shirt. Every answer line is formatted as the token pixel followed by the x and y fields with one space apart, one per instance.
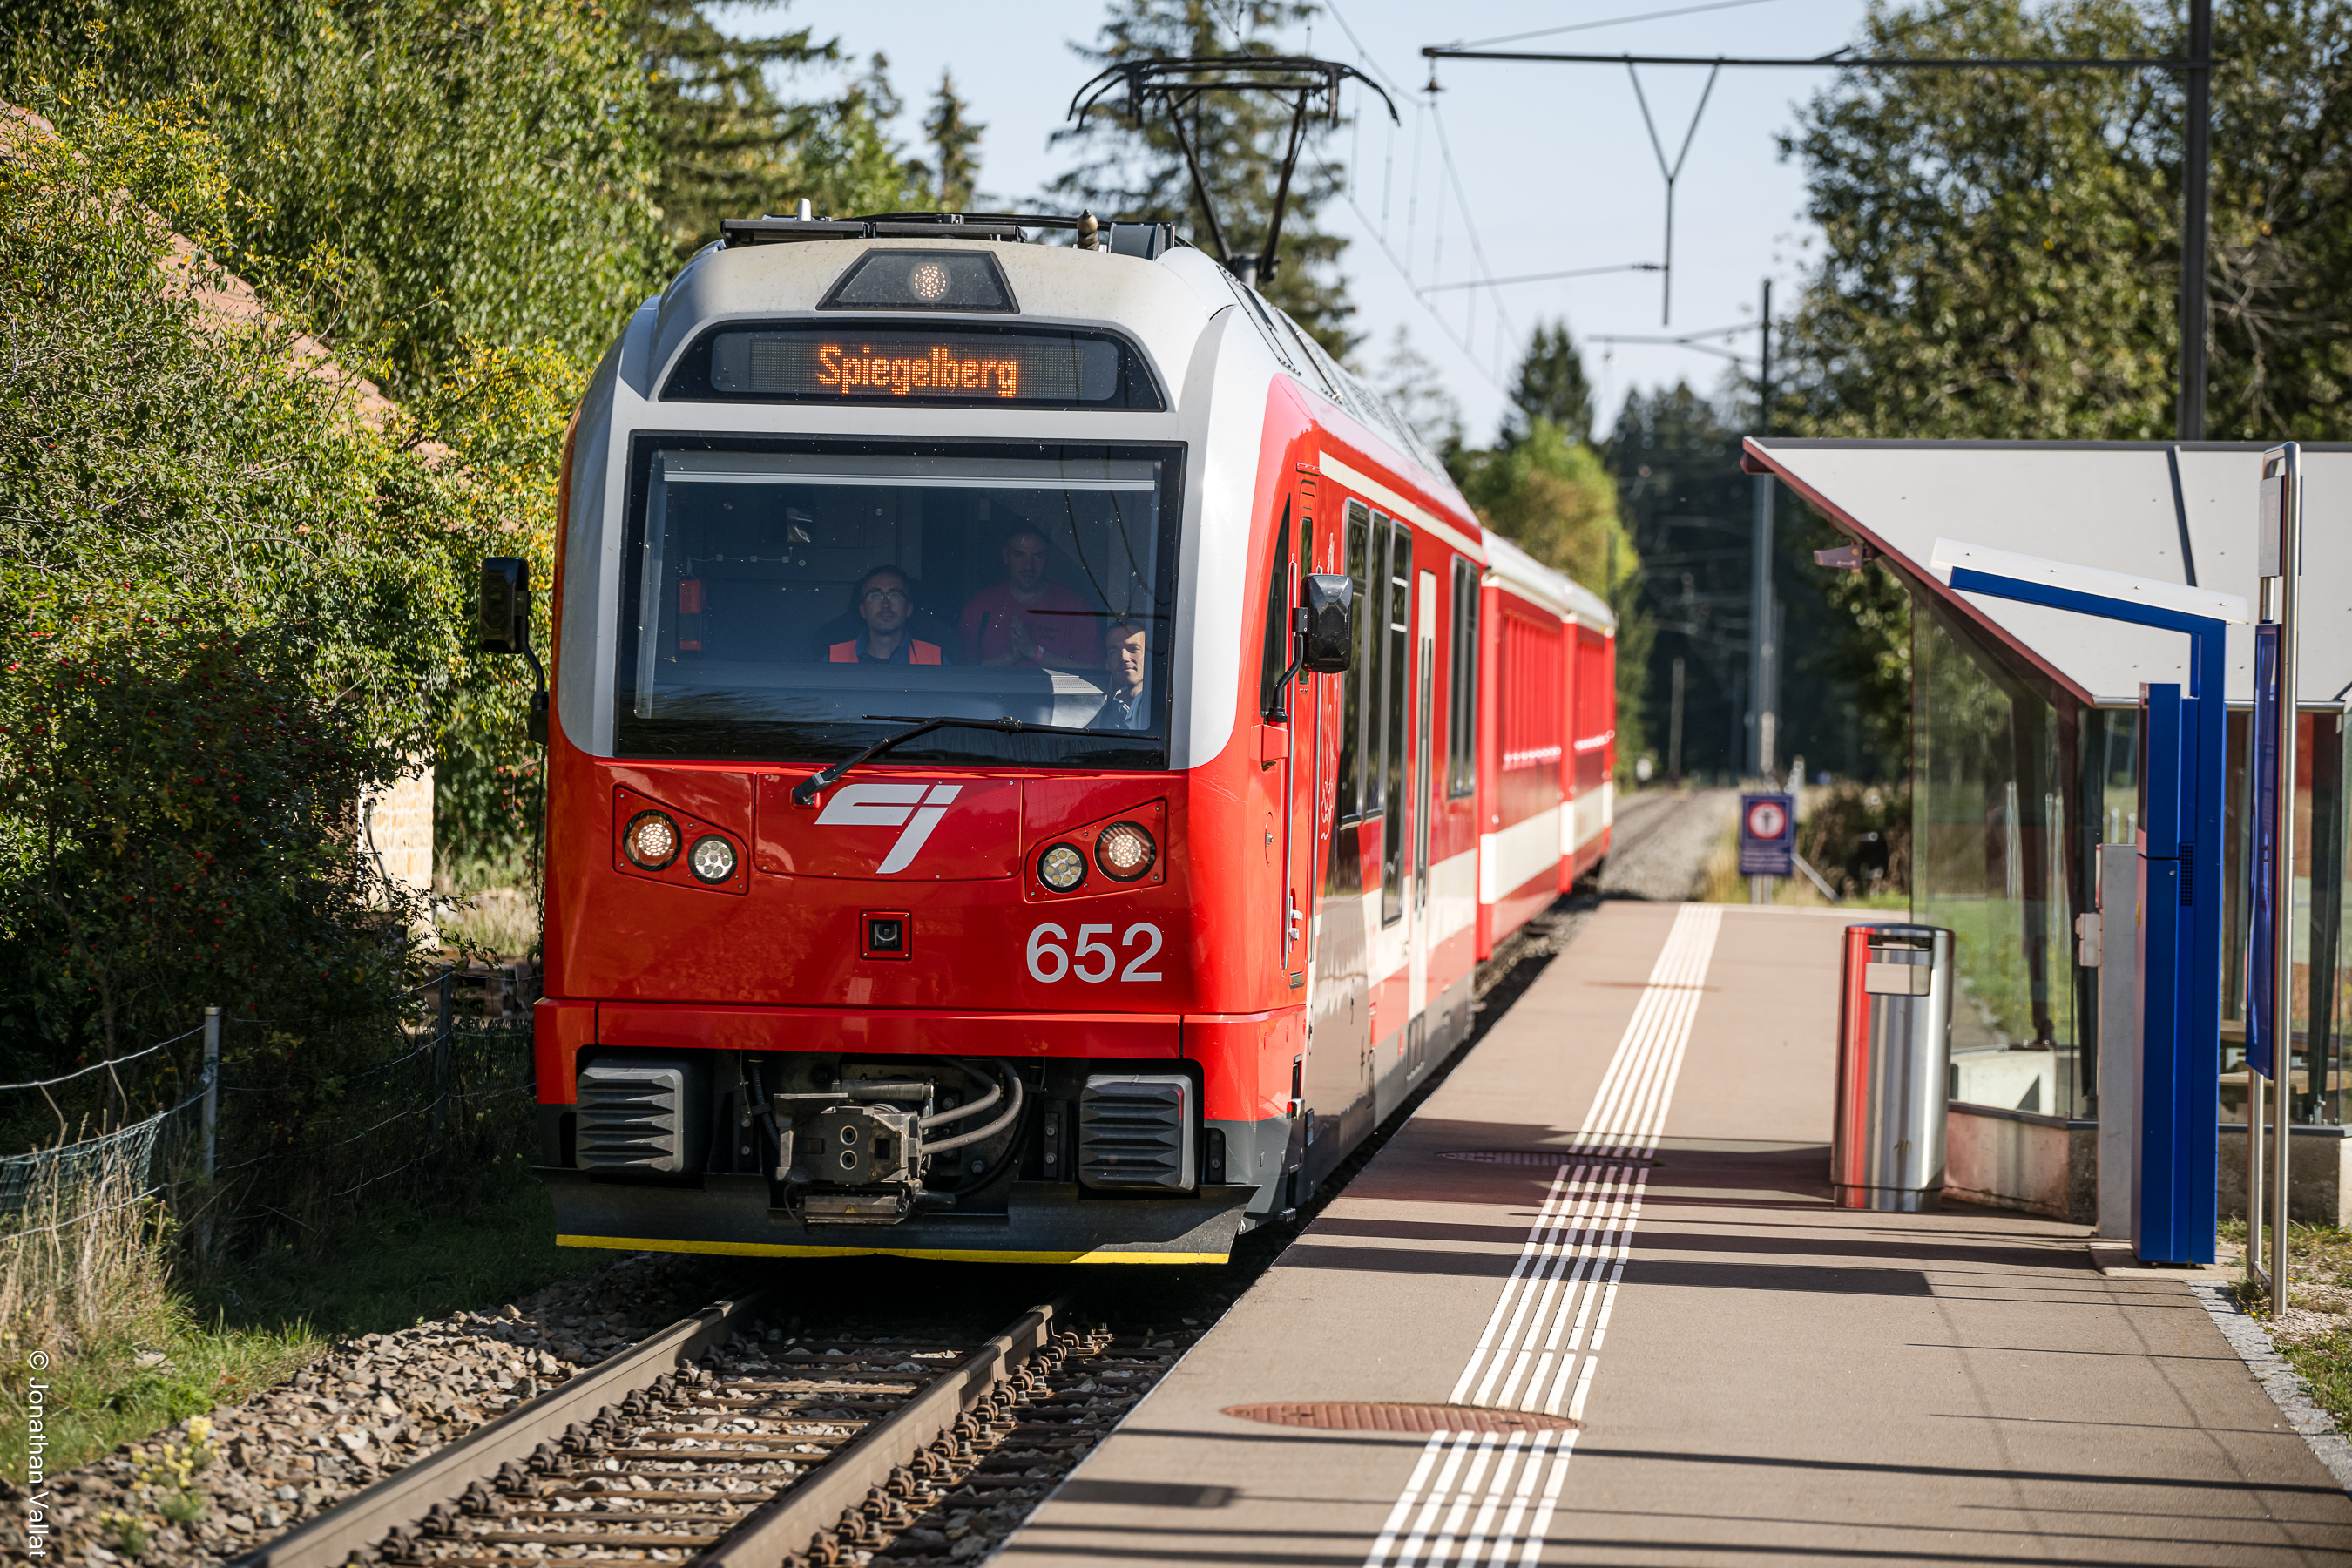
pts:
pixel 1027 619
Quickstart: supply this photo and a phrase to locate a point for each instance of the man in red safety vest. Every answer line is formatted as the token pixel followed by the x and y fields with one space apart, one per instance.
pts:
pixel 885 601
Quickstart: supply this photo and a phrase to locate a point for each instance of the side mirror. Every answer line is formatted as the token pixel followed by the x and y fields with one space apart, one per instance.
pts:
pixel 1328 620
pixel 504 604
pixel 502 616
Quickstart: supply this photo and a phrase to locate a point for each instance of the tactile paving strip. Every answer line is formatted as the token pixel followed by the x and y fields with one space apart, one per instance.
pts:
pixel 1331 1415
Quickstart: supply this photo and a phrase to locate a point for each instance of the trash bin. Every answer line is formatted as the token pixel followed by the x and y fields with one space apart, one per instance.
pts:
pixel 1895 1045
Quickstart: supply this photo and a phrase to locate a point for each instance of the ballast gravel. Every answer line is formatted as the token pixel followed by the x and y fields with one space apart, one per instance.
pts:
pixel 218 1484
pixel 1663 841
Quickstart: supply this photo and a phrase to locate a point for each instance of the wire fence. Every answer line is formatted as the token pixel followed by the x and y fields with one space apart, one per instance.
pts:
pixel 276 1121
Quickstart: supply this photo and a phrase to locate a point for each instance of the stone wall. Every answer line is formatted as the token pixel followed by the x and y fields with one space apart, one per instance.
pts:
pixel 396 824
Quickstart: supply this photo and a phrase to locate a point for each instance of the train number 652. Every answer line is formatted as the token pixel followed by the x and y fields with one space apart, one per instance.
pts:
pixel 1090 958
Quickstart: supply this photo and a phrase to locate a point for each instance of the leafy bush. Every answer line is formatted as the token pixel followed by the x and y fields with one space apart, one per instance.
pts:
pixel 423 175
pixel 235 581
pixel 1858 837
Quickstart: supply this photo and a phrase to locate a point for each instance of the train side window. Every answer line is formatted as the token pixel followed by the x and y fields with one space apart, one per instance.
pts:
pixel 1462 687
pixel 1396 672
pixel 1276 656
pixel 1358 676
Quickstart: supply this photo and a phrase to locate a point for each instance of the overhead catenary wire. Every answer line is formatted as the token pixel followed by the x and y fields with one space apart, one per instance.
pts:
pixel 1606 22
pixel 1543 277
pixel 1405 272
pixel 1426 107
pixel 1423 107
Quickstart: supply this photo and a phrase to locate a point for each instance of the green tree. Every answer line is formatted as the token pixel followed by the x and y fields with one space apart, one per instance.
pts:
pixel 1549 494
pixel 2002 250
pixel 954 138
pixel 1132 174
pixel 414 175
pixel 730 146
pixel 418 180
pixel 1684 503
pixel 1551 385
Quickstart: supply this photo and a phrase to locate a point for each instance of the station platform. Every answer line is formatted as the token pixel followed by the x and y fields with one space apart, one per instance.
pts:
pixel 1751 1375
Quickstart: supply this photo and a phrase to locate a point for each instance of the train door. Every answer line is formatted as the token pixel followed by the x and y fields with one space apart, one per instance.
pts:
pixel 1286 709
pixel 1396 674
pixel 1422 781
pixel 1302 771
pixel 1336 1072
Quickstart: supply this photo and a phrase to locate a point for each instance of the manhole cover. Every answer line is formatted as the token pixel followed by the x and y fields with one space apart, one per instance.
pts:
pixel 1540 1157
pixel 1330 1415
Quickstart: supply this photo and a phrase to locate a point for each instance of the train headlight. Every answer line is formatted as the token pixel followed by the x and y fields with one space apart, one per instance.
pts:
pixel 1062 867
pixel 928 281
pixel 1125 851
pixel 712 858
pixel 651 841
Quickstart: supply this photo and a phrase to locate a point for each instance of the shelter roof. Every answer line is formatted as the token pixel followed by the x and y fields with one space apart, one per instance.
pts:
pixel 2178 513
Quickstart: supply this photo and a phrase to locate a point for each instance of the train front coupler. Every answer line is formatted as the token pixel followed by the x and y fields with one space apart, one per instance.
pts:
pixel 863 1151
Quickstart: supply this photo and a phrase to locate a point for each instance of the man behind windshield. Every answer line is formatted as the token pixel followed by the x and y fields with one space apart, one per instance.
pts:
pixel 1125 658
pixel 885 601
pixel 1028 618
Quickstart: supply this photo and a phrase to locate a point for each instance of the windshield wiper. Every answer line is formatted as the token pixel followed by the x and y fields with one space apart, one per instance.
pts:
pixel 805 792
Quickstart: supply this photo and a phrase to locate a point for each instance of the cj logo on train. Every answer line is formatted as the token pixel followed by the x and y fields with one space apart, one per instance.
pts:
pixel 1043 797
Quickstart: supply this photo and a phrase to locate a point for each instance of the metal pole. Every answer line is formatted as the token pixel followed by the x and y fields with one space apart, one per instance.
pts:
pixel 441 1041
pixel 2254 1167
pixel 211 1114
pixel 2282 876
pixel 1675 729
pixel 1760 649
pixel 2195 201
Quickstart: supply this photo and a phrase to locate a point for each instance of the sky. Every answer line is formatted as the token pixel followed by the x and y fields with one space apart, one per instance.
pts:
pixel 1552 166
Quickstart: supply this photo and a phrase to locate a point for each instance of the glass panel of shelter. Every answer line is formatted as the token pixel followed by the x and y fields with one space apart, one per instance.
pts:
pixel 1989 830
pixel 1999 857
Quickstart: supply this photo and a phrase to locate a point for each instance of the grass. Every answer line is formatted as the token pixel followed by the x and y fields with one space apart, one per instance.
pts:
pixel 488 905
pixel 1721 883
pixel 132 1350
pixel 2314 1334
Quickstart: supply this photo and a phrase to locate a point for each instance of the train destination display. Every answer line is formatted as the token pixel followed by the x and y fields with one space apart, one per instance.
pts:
pixel 1057 368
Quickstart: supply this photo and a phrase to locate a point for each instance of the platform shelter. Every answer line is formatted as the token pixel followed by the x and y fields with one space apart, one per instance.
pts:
pixel 2023 761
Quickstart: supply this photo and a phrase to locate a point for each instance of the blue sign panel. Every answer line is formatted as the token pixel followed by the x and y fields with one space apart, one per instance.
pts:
pixel 1768 834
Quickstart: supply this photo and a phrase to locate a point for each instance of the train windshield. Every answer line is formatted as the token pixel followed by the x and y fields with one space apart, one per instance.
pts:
pixel 794 602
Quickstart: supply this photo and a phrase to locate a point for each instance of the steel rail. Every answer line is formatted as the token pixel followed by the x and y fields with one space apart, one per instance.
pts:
pixel 787 1523
pixel 362 1519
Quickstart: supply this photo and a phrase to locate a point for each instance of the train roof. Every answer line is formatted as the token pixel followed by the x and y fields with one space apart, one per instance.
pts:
pixel 1514 568
pixel 1157 288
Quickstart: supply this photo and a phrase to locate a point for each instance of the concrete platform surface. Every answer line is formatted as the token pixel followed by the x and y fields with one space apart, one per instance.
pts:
pixel 1757 1377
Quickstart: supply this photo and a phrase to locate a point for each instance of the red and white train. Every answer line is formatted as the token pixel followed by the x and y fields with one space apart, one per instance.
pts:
pixel 953 849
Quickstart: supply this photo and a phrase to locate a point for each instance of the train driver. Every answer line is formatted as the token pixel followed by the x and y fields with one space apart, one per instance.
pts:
pixel 1029 619
pixel 885 600
pixel 1125 647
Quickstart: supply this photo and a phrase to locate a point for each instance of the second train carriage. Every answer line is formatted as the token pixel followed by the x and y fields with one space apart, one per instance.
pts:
pixel 953 850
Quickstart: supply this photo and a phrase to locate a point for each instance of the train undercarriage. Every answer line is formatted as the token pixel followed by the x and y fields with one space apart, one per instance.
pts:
pixel 807 1154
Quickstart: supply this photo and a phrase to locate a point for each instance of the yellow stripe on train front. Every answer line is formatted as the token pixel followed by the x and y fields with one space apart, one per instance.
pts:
pixel 954 1255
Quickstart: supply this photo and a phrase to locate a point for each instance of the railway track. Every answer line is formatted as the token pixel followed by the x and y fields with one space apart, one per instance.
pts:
pixel 725 1440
